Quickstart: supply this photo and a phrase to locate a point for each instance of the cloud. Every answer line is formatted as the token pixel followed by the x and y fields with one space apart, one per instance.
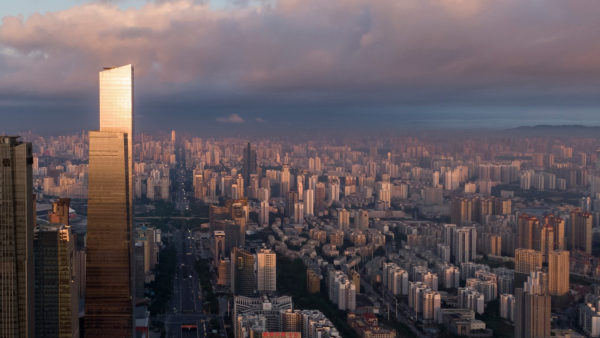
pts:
pixel 299 51
pixel 232 118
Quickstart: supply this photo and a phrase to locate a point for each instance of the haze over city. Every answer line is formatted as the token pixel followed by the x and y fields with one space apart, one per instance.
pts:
pixel 299 168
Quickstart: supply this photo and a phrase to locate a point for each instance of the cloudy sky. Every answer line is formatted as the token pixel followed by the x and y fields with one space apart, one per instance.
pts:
pixel 260 64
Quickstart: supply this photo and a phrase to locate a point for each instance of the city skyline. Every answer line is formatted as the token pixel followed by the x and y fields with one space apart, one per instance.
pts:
pixel 375 67
pixel 299 168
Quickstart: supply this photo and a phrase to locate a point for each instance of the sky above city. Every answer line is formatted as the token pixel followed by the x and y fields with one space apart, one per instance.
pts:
pixel 239 65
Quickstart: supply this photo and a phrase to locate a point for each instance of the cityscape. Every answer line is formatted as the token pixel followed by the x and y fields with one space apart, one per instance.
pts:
pixel 272 221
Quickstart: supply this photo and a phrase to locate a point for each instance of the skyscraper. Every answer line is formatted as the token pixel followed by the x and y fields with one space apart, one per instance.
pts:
pixel 243 279
pixel 109 296
pixel 532 311
pixel 16 239
pixel 56 294
pixel 249 163
pixel 266 268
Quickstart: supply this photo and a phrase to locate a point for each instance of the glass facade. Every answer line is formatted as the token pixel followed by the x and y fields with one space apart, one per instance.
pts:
pixel 109 301
pixel 16 239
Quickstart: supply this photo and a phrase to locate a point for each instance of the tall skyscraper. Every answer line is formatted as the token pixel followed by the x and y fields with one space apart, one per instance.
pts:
pixel 56 293
pixel 266 269
pixel 243 279
pixel 16 239
pixel 532 311
pixel 249 163
pixel 558 272
pixel 109 294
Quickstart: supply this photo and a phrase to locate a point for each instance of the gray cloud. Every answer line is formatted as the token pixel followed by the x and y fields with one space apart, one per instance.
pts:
pixel 314 52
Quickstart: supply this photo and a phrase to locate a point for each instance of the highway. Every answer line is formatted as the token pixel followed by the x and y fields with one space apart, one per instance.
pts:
pixel 186 303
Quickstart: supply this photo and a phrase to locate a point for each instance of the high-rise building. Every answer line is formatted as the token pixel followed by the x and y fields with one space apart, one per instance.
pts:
pixel 547 241
pixel 558 272
pixel 558 225
pixel 56 294
pixel 527 260
pixel 464 244
pixel 266 270
pixel 243 279
pixel 532 310
pixel 320 197
pixel 109 294
pixel 218 246
pixel 16 226
pixel 580 236
pixel 250 166
pixel 60 211
pixel 527 227
pixel 264 213
pixel 343 219
pixel 309 202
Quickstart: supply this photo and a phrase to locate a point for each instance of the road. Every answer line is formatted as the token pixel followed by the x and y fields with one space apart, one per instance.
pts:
pixel 186 303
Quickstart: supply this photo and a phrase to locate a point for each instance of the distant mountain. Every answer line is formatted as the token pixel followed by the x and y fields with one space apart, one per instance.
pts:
pixel 567 130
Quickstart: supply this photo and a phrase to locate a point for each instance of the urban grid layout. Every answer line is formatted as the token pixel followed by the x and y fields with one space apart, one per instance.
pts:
pixel 254 223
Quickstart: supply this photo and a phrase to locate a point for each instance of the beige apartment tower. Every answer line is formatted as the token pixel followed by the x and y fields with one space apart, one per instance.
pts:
pixel 16 239
pixel 266 268
pixel 558 272
pixel 109 294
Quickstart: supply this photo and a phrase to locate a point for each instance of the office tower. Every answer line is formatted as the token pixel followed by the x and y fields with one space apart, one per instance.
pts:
pixel 16 226
pixel 109 301
pixel 243 279
pixel 264 213
pixel 56 294
pixel 527 260
pixel 218 246
pixel 580 236
pixel 527 228
pixel 464 244
pixel 235 234
pixel 250 166
pixel 60 211
pixel 532 310
pixel 266 270
pixel 309 202
pixel 558 272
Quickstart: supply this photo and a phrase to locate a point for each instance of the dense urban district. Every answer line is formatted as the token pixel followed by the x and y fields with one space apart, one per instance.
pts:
pixel 421 234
